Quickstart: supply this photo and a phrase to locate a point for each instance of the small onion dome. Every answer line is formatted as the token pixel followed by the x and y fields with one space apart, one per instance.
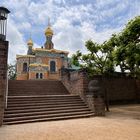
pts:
pixel 48 31
pixel 30 42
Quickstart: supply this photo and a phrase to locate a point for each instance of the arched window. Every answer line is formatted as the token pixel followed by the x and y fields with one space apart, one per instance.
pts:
pixel 37 75
pixel 52 66
pixel 41 76
pixel 25 68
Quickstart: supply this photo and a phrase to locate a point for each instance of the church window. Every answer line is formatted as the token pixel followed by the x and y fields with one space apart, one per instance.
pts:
pixel 37 75
pixel 41 76
pixel 52 66
pixel 25 68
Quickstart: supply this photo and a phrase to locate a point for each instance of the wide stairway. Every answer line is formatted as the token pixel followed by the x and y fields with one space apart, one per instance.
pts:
pixel 36 101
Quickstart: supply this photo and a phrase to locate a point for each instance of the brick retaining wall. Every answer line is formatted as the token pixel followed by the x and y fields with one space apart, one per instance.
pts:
pixel 118 89
pixel 75 82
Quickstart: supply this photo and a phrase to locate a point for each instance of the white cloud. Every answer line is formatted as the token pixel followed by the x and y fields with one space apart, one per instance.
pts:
pixel 24 26
pixel 102 3
pixel 73 38
pixel 69 40
pixel 16 42
pixel 72 24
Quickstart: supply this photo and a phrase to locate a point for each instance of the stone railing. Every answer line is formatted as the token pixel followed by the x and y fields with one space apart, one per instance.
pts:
pixel 75 82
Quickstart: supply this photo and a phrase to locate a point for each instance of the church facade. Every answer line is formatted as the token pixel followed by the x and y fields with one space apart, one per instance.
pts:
pixel 42 63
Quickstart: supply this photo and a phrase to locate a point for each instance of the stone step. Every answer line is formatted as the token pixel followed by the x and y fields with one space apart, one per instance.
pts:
pixel 45 117
pixel 60 87
pixel 32 94
pixel 46 106
pixel 24 110
pixel 49 119
pixel 36 90
pixel 11 115
pixel 41 97
pixel 41 101
pixel 36 87
pixel 47 103
pixel 33 81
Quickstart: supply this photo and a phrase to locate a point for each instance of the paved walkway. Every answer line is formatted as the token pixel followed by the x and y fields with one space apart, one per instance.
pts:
pixel 122 123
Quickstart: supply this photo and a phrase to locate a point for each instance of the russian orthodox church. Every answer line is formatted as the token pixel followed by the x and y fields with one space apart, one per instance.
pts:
pixel 42 63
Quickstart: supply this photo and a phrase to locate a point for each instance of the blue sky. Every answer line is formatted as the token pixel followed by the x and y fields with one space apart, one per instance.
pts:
pixel 73 22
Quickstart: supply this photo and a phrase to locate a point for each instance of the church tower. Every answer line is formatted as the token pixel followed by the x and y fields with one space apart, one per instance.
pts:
pixel 30 46
pixel 48 33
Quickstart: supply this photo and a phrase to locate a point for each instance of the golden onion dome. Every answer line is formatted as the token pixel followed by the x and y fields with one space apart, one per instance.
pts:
pixel 48 31
pixel 30 42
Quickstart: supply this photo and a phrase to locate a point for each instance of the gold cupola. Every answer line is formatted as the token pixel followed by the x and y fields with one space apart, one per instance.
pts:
pixel 30 42
pixel 49 31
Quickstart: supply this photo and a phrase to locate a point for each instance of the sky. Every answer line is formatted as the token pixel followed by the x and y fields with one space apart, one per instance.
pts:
pixel 73 22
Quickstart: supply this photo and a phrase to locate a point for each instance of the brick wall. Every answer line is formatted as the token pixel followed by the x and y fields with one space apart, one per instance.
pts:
pixel 23 76
pixel 75 82
pixel 53 76
pixel 118 89
pixel 3 75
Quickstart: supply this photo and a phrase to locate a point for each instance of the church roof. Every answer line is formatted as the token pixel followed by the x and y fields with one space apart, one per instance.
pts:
pixel 24 56
pixel 51 50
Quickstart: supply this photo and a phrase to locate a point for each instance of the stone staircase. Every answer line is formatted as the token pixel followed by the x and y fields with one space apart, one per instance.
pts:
pixel 35 87
pixel 36 101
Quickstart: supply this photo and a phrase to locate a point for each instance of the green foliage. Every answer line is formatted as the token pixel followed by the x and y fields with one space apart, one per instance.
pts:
pixel 75 58
pixel 98 60
pixel 12 71
pixel 127 53
pixel 122 50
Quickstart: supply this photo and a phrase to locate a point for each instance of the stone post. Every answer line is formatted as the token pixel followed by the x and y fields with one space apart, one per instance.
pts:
pixel 99 106
pixel 90 102
pixel 95 99
pixel 3 77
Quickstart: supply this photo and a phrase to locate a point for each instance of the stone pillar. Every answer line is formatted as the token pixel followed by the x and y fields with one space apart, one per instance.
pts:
pixel 3 76
pixel 99 106
pixel 90 102
pixel 95 99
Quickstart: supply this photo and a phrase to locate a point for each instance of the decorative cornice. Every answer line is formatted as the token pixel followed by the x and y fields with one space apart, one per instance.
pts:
pixel 24 56
pixel 36 65
pixel 51 50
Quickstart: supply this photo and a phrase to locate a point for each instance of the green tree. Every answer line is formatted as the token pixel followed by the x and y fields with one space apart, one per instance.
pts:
pixel 12 71
pixel 121 50
pixel 99 59
pixel 127 52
